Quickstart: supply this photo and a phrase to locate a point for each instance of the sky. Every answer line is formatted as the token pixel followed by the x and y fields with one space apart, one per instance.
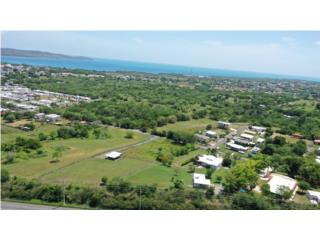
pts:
pixel 280 52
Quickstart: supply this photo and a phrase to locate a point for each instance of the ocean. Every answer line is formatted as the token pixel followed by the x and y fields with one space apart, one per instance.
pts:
pixel 132 66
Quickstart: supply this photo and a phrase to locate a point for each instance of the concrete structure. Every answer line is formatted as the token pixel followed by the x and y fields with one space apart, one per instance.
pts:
pixel 113 155
pixel 236 147
pixel 39 116
pixel 52 117
pixel 260 140
pixel 202 138
pixel 258 129
pixel 210 161
pixel 250 132
pixel 247 136
pixel 277 182
pixel 199 181
pixel 211 134
pixel 313 196
pixel 223 125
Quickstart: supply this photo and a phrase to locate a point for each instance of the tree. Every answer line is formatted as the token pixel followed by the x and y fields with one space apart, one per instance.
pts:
pixel 284 193
pixel 57 154
pixel 9 158
pixel 191 168
pixel 300 148
pixel 279 140
pixel 104 181
pixel 227 161
pixel 304 186
pixel 209 127
pixel 210 193
pixel 10 118
pixel 242 176
pixel 209 173
pixel 265 188
pixel 129 135
pixel 4 176
pixel 249 201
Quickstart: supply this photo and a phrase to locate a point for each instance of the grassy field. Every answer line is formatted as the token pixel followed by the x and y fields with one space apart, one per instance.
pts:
pixel 75 150
pixel 138 165
pixel 191 126
pixel 81 161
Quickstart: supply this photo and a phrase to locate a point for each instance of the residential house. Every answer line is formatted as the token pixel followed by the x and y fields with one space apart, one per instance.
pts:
pixel 52 117
pixel 277 182
pixel 199 181
pixel 210 161
pixel 223 125
pixel 211 134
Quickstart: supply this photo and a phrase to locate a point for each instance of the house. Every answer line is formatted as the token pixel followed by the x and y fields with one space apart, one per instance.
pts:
pixel 202 138
pixel 236 147
pixel 250 132
pixel 314 196
pixel 247 136
pixel 211 134
pixel 317 141
pixel 113 155
pixel 39 116
pixel 277 182
pixel 260 141
pixel 297 135
pixel 242 141
pixel 52 117
pixel 258 129
pixel 199 181
pixel 223 125
pixel 210 161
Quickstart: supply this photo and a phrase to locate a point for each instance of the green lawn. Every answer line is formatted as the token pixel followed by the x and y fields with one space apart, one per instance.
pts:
pixel 76 150
pixel 138 165
pixel 191 126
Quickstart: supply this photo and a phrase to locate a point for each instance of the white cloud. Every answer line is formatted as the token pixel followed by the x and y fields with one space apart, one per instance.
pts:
pixel 317 43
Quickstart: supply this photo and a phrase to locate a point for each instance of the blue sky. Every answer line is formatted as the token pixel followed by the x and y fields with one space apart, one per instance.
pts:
pixel 280 52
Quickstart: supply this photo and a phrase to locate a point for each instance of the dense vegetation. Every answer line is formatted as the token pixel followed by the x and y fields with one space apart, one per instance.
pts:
pixel 120 194
pixel 150 101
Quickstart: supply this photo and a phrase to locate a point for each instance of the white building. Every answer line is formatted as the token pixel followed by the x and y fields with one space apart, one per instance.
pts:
pixel 314 196
pixel 258 129
pixel 210 161
pixel 211 134
pixel 277 182
pixel 236 147
pixel 247 136
pixel 223 125
pixel 199 180
pixel 52 117
pixel 113 155
pixel 250 132
pixel 39 116
pixel 260 140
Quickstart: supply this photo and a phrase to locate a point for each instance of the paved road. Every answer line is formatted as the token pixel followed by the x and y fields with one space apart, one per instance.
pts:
pixel 26 206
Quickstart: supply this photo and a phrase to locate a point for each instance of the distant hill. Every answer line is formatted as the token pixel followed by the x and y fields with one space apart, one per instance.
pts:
pixel 32 53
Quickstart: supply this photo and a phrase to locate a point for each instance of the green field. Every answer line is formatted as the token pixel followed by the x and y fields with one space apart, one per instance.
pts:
pixel 191 126
pixel 82 161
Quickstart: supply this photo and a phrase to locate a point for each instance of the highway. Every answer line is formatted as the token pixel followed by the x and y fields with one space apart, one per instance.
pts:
pixel 26 206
